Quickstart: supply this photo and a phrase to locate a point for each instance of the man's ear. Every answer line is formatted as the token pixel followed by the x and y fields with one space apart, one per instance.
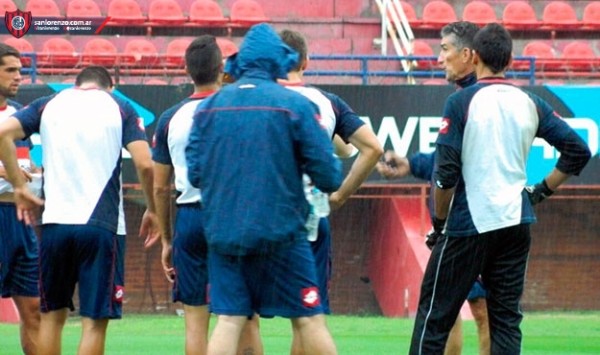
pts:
pixel 304 64
pixel 467 55
pixel 475 58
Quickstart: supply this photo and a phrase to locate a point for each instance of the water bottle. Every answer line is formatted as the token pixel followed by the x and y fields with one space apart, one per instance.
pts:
pixel 312 225
pixel 320 201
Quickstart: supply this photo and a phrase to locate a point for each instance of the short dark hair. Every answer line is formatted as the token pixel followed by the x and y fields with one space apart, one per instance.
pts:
pixel 493 45
pixel 95 74
pixel 297 42
pixel 463 31
pixel 203 59
pixel 5 50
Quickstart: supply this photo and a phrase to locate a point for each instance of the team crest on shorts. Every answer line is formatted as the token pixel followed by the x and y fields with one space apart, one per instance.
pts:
pixel 118 294
pixel 17 22
pixel 310 297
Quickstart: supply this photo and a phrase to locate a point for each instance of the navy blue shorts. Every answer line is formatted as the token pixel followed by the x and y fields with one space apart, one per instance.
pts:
pixel 477 291
pixel 89 256
pixel 18 255
pixel 322 251
pixel 282 283
pixel 189 257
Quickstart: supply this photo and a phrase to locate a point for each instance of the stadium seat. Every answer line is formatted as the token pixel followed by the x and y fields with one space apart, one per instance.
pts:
pixel 139 52
pixel 166 12
pixel 58 52
pixel 409 12
pixel 591 15
pixel 175 52
pixel 227 47
pixel 423 49
pixel 7 5
pixel 579 56
pixel 559 14
pixel 99 51
pixel 437 14
pixel 43 8
pixel 207 12
pixel 544 53
pixel 125 11
pixel 519 14
pixel 23 46
pixel 245 13
pixel 479 12
pixel 83 8
pixel 155 82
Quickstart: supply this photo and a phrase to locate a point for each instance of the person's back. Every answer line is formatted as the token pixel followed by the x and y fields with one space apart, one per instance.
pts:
pixel 257 124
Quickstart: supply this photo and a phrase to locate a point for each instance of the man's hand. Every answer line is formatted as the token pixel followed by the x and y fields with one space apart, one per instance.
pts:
pixel 538 192
pixel 27 205
pixel 149 229
pixel 393 166
pixel 438 231
pixel 167 261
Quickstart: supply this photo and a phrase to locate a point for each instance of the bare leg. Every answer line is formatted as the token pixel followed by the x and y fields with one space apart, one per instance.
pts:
pixel 314 335
pixel 51 326
pixel 226 335
pixel 479 310
pixel 196 329
pixel 296 343
pixel 93 336
pixel 250 343
pixel 455 339
pixel 29 311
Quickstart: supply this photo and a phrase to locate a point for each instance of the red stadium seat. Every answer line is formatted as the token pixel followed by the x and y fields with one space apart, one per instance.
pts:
pixel 7 5
pixel 423 49
pixel 579 56
pixel 437 14
pixel 519 15
pixel 245 13
pixel 544 53
pixel 155 82
pixel 99 51
pixel 227 47
pixel 175 52
pixel 125 11
pixel 409 12
pixel 479 12
pixel 43 8
pixel 591 15
pixel 139 52
pixel 58 52
pixel 166 12
pixel 559 14
pixel 23 46
pixel 207 12
pixel 83 8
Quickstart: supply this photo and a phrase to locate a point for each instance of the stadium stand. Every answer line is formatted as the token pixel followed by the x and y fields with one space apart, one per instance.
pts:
pixel 519 14
pixel 43 8
pixel 83 9
pixel 58 52
pixel 174 54
pixel 166 12
pixel 409 12
pixel 140 52
pixel 207 12
pixel 579 55
pixel 125 12
pixel 245 13
pixel 591 15
pixel 437 14
pixel 99 51
pixel 7 5
pixel 423 49
pixel 544 53
pixel 227 46
pixel 479 12
pixel 559 14
pixel 23 46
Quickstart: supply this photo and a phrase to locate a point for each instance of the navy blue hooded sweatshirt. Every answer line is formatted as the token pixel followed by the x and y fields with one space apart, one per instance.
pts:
pixel 249 146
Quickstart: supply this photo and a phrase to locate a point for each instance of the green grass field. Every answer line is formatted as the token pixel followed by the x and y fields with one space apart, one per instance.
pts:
pixel 544 333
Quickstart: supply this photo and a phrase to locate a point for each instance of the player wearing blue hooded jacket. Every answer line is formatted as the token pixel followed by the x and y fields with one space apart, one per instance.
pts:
pixel 249 146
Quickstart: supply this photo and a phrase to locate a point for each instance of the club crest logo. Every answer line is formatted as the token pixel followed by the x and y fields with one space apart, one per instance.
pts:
pixel 17 22
pixel 118 294
pixel 310 297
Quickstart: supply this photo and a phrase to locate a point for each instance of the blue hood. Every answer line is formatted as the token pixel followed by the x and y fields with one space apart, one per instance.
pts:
pixel 262 50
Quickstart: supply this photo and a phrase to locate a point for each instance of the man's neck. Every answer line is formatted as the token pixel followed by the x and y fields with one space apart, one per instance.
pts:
pixel 294 77
pixel 3 101
pixel 206 87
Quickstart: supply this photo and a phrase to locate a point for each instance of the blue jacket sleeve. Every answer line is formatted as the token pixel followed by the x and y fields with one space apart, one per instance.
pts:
pixel 421 165
pixel 316 151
